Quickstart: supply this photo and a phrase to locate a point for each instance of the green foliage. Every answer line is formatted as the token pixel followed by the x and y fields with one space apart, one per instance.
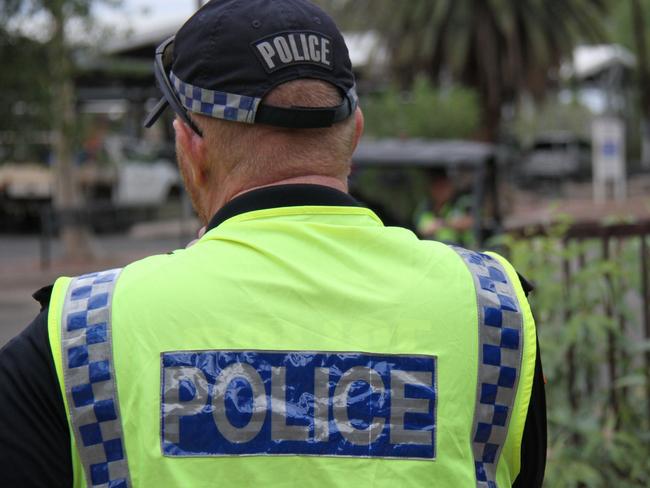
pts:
pixel 25 91
pixel 71 8
pixel 424 112
pixel 499 48
pixel 591 442
pixel 32 69
pixel 620 21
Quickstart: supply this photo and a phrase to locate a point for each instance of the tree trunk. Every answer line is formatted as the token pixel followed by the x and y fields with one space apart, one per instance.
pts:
pixel 68 200
pixel 489 72
pixel 490 122
pixel 638 16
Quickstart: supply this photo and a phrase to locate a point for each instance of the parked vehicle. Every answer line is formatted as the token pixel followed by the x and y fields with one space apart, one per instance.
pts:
pixel 556 157
pixel 131 185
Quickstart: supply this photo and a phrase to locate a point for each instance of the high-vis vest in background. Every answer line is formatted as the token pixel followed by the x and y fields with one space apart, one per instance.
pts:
pixel 297 346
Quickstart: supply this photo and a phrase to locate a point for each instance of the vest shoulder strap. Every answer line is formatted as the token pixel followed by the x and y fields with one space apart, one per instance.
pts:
pixel 89 379
pixel 500 341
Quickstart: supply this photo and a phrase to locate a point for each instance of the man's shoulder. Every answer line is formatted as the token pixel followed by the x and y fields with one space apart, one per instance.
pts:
pixel 483 259
pixel 45 295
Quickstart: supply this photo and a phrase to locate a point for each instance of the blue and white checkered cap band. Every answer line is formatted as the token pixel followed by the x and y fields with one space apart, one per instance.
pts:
pixel 89 379
pixel 220 105
pixel 500 354
pixel 226 106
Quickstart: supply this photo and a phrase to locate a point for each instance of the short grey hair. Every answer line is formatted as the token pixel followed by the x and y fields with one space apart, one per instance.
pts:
pixel 262 152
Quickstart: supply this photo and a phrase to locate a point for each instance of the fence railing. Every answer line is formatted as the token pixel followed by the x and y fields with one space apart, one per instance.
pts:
pixel 592 307
pixel 612 239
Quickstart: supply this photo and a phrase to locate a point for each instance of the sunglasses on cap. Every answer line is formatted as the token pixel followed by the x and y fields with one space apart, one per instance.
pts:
pixel 162 66
pixel 288 117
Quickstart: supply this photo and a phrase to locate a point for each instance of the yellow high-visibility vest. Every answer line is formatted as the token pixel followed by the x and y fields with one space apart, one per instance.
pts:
pixel 298 346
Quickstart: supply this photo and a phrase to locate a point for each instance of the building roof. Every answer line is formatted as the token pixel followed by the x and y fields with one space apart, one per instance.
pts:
pixel 422 153
pixel 589 61
pixel 141 41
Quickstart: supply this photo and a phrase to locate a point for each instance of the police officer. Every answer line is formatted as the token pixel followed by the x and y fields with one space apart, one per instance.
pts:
pixel 446 214
pixel 299 342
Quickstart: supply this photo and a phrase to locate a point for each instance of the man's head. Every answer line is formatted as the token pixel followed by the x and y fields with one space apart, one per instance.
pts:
pixel 265 93
pixel 233 157
pixel 441 186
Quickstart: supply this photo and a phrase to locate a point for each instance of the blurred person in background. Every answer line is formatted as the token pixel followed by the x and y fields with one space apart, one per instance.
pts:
pixel 299 341
pixel 446 214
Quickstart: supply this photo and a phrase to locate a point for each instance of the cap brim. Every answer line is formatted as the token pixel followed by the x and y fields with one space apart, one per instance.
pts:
pixel 157 111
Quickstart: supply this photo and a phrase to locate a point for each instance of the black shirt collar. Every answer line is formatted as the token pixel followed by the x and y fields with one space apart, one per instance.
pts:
pixel 282 196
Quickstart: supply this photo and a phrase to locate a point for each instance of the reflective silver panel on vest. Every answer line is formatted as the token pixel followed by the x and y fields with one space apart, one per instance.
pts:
pixel 500 352
pixel 89 377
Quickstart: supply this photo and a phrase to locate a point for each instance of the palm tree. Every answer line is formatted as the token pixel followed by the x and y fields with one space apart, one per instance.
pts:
pixel 499 47
pixel 638 11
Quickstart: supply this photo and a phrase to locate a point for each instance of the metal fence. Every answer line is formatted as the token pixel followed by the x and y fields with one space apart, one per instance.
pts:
pixel 610 263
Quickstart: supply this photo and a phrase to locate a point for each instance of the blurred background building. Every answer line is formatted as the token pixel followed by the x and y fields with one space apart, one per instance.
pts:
pixel 537 113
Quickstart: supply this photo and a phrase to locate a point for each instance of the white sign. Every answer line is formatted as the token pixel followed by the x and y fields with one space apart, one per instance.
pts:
pixel 608 140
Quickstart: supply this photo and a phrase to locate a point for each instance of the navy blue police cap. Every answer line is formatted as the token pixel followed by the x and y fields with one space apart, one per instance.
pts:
pixel 231 53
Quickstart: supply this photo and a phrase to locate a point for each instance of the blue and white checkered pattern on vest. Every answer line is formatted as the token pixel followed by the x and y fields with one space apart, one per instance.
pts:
pixel 500 355
pixel 89 379
pixel 216 104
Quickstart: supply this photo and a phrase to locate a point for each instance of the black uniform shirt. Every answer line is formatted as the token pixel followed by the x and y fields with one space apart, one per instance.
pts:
pixel 34 434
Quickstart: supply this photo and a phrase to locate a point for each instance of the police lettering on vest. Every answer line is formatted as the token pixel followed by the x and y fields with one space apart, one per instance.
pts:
pixel 220 403
pixel 286 49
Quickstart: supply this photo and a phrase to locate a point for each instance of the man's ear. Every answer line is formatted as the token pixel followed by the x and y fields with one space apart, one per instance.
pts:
pixel 193 146
pixel 360 124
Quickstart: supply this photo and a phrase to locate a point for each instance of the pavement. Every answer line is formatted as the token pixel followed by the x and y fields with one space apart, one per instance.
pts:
pixel 22 273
